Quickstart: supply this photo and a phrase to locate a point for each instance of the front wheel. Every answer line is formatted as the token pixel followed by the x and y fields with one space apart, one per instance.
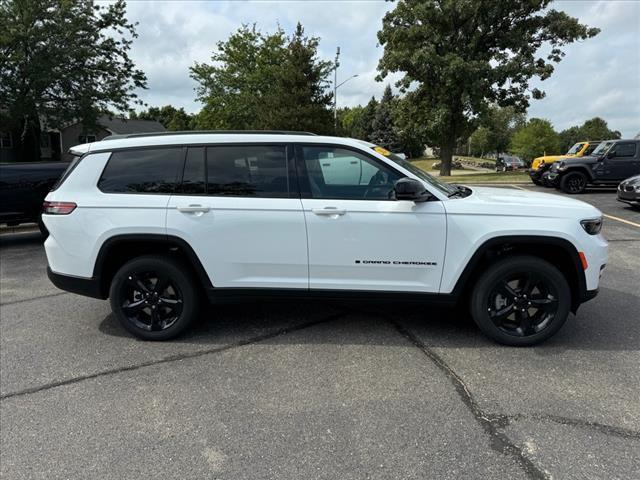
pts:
pixel 154 297
pixel 521 301
pixel 573 182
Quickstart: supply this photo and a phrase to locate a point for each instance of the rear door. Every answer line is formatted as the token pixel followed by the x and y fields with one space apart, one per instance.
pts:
pixel 239 208
pixel 360 237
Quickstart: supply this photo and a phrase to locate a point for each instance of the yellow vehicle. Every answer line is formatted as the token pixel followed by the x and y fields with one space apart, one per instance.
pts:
pixel 541 164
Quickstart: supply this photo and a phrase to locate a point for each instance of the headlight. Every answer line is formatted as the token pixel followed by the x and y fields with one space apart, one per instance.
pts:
pixel 592 226
pixel 541 165
pixel 636 187
pixel 561 166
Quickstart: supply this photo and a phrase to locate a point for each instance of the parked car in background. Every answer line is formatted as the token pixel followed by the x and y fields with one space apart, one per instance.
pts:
pixel 506 163
pixel 540 165
pixel 629 191
pixel 23 187
pixel 609 164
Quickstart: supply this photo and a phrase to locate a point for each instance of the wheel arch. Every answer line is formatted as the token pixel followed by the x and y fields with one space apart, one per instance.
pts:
pixel 580 169
pixel 558 251
pixel 119 249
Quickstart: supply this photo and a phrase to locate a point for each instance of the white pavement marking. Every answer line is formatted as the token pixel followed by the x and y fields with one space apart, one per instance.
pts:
pixel 628 222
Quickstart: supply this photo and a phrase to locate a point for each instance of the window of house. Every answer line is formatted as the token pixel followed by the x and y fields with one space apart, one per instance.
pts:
pixel 6 140
pixel 142 171
pixel 86 138
pixel 339 173
pixel 247 171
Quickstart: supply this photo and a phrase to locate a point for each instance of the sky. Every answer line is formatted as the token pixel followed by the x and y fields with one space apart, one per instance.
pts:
pixel 598 77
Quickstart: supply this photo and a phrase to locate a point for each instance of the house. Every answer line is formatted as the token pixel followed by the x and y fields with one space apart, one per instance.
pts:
pixel 55 143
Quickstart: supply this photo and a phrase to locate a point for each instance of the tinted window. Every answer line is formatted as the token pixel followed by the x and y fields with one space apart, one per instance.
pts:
pixel 247 171
pixel 345 174
pixel 590 148
pixel 625 149
pixel 142 171
pixel 194 172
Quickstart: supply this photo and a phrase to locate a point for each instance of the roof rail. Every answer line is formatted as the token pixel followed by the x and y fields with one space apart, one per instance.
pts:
pixel 207 132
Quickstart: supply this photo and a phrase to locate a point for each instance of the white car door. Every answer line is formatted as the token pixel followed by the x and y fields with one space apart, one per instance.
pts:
pixel 242 215
pixel 360 238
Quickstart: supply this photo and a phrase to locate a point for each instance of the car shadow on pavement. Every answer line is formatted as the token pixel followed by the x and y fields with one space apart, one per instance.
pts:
pixel 608 323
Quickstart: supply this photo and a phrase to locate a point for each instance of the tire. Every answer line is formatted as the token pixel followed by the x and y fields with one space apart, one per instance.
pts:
pixel 573 183
pixel 521 301
pixel 151 311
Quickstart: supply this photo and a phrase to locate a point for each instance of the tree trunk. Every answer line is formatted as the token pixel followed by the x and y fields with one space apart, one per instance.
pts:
pixel 446 154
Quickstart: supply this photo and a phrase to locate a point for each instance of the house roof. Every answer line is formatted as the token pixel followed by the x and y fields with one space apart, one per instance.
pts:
pixel 122 126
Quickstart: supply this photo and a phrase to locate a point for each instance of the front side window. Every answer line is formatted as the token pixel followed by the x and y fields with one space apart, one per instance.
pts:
pixel 247 171
pixel 339 173
pixel 602 148
pixel 193 179
pixel 625 149
pixel 142 171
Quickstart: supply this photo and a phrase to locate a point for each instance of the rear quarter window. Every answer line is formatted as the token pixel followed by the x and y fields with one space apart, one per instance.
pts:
pixel 142 171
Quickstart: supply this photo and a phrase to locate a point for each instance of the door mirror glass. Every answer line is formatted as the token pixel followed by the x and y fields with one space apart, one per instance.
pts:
pixel 611 153
pixel 411 189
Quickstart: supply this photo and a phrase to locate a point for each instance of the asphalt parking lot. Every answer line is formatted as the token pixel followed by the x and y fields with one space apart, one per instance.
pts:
pixel 317 390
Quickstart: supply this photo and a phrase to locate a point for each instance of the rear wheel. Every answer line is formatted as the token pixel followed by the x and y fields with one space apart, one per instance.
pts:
pixel 521 301
pixel 154 297
pixel 573 182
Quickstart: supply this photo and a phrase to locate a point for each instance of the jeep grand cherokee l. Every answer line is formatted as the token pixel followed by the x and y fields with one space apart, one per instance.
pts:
pixel 156 222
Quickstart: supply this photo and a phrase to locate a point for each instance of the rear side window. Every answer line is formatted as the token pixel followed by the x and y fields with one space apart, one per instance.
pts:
pixel 142 171
pixel 247 171
pixel 625 149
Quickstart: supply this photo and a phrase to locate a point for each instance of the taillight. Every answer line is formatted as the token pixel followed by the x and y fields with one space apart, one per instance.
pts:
pixel 58 208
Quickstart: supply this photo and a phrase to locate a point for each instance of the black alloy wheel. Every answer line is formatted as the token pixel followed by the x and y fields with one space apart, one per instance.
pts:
pixel 522 304
pixel 573 182
pixel 521 300
pixel 154 297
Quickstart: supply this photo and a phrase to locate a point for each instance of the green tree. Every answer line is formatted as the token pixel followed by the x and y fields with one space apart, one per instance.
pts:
pixel 63 61
pixel 265 81
pixel 462 56
pixel 534 139
pixel 384 129
pixel 368 117
pixel 480 142
pixel 413 138
pixel 593 129
pixel 350 122
pixel 170 117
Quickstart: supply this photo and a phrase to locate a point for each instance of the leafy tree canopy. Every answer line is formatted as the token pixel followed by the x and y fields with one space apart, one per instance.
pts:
pixel 265 81
pixel 536 138
pixel 63 61
pixel 384 129
pixel 170 117
pixel 461 56
pixel 594 129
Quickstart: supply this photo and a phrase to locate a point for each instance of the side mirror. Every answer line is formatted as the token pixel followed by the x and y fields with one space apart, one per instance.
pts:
pixel 410 189
pixel 611 154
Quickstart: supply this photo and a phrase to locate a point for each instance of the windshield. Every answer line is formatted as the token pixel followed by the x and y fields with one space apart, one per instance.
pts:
pixel 602 149
pixel 418 172
pixel 575 149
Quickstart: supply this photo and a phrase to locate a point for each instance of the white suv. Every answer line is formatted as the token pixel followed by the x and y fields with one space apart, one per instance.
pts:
pixel 155 222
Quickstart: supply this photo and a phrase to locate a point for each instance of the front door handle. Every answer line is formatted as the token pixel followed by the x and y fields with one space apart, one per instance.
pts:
pixel 329 211
pixel 193 209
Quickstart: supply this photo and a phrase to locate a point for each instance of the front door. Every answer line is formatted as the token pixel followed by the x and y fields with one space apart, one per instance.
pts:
pixel 622 161
pixel 241 213
pixel 360 237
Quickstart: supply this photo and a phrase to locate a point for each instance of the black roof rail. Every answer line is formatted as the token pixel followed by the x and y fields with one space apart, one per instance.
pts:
pixel 208 132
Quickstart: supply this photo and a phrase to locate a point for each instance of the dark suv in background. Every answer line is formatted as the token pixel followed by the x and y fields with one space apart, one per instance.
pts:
pixel 609 164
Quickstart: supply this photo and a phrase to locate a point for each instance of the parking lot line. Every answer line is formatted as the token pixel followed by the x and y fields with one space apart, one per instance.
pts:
pixel 628 222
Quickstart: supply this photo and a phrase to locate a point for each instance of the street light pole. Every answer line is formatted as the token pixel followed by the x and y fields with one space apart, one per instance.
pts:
pixel 335 90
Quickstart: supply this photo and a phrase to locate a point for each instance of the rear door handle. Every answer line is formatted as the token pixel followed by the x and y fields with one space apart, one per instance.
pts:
pixel 193 209
pixel 329 211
